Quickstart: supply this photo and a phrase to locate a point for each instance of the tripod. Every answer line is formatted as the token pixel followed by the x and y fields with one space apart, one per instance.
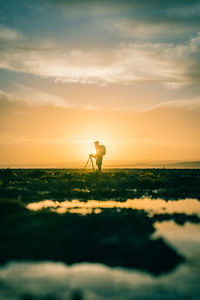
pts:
pixel 89 160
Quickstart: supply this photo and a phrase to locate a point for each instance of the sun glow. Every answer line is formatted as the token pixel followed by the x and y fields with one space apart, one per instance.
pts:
pixel 93 151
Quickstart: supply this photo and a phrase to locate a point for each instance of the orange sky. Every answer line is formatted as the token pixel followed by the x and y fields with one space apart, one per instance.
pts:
pixel 125 73
pixel 50 134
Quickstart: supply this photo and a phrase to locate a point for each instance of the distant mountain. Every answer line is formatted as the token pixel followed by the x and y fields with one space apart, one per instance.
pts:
pixel 186 165
pixel 157 164
pixel 111 164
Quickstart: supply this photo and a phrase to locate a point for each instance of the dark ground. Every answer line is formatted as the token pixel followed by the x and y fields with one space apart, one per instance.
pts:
pixel 61 184
pixel 115 238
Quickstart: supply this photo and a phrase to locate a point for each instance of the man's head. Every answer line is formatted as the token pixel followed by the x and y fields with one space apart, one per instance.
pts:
pixel 96 143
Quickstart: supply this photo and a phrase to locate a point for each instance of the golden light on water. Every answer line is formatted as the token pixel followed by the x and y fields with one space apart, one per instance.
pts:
pixel 155 206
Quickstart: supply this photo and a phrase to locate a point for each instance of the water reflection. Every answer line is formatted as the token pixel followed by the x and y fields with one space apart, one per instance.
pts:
pixel 41 280
pixel 152 206
pixel 115 237
pixel 185 238
pixel 56 280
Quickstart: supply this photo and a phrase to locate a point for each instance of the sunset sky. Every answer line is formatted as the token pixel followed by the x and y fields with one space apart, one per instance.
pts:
pixel 126 73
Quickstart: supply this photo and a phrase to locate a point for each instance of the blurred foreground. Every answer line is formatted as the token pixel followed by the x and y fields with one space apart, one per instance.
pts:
pixel 129 234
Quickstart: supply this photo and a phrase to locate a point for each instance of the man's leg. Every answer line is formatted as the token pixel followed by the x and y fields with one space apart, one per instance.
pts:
pixel 99 162
pixel 99 168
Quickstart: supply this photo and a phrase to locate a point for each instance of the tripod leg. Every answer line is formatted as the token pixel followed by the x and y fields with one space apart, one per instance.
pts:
pixel 92 163
pixel 86 164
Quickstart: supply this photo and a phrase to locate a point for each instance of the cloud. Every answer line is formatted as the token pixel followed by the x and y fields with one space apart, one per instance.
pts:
pixel 154 28
pixel 134 3
pixel 37 97
pixel 34 97
pixel 182 104
pixel 189 104
pixel 8 34
pixel 166 63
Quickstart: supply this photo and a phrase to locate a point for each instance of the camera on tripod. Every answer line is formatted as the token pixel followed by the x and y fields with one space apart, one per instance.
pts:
pixel 91 161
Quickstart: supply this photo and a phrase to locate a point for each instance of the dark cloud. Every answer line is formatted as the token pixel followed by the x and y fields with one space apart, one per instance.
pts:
pixel 138 3
pixel 178 20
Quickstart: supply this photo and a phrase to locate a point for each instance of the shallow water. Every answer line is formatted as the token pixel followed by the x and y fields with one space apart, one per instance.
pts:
pixel 107 275
pixel 40 280
pixel 152 206
pixel 93 250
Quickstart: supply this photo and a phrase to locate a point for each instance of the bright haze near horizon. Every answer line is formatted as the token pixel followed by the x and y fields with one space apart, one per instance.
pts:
pixel 126 73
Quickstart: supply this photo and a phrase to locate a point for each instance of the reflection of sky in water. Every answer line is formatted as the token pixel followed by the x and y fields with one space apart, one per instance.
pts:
pixel 185 238
pixel 98 282
pixel 156 206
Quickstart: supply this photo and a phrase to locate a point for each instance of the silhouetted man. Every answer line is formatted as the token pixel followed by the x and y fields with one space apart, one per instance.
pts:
pixel 100 152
